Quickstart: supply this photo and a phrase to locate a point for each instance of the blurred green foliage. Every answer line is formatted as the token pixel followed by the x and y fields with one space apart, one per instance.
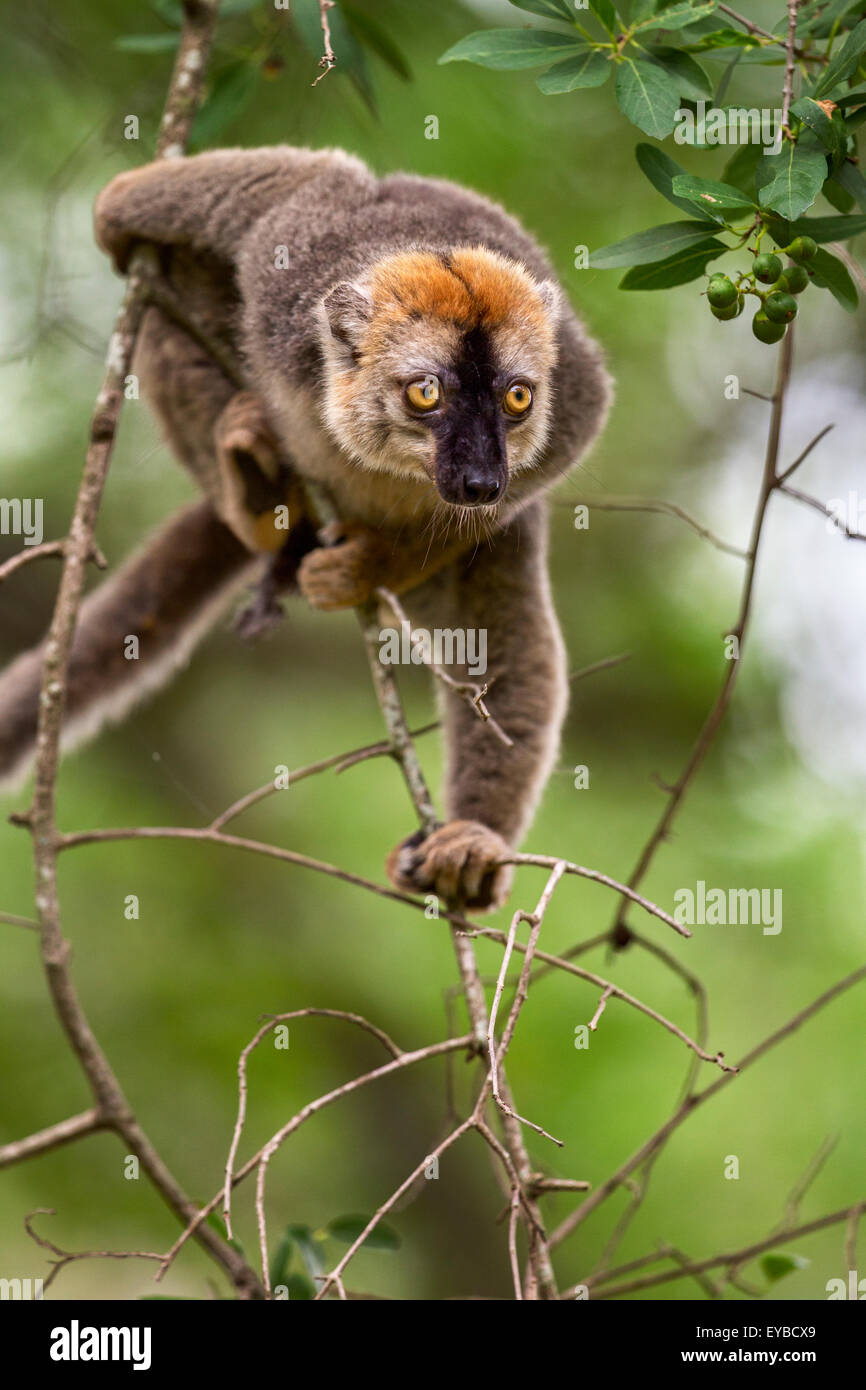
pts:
pixel 224 937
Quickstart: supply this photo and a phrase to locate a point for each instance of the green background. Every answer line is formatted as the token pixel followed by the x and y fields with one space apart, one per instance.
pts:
pixel 224 937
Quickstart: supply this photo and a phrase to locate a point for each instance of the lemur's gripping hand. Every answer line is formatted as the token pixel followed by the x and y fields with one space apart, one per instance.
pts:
pixel 462 860
pixel 347 570
pixel 253 485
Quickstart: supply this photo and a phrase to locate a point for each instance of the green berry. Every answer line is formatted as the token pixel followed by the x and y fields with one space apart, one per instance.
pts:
pixel 721 292
pixel 780 307
pixel 767 268
pixel 765 330
pixel 802 248
pixel 730 311
pixel 794 279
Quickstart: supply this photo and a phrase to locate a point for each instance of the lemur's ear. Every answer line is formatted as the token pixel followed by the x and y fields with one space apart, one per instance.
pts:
pixel 348 310
pixel 551 298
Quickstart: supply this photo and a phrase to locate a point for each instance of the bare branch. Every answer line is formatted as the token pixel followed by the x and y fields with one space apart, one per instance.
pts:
pixel 823 509
pixel 51 1138
pixel 242 1080
pixel 496 1055
pixel 719 709
pixel 691 1103
pixel 39 552
pixel 467 690
pixel 801 458
pixel 733 1260
pixel 602 503
pixel 328 59
pixel 65 1257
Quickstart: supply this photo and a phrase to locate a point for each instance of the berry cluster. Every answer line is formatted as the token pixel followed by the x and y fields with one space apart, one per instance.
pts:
pixel 778 306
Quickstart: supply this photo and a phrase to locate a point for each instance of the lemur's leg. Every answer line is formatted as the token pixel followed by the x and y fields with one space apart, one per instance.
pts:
pixel 219 433
pixel 491 790
pixel 166 596
pixel 209 201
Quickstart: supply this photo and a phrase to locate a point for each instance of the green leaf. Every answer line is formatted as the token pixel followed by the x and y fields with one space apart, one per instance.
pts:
pixel 829 272
pixel 147 43
pixel 552 9
pixel 370 32
pixel 641 9
pixel 661 171
pixel 850 99
pixel 720 200
pixel 510 49
pixel 677 17
pixel 777 1266
pixel 587 69
pixel 836 195
pixel 280 1261
pixel 847 60
pixel 169 10
pixel 724 38
pixel 819 18
pixel 676 270
pixel 853 182
pixel 605 13
pixel 689 76
pixel 823 229
pixel 815 117
pixel 301 1289
pixel 348 1229
pixel 790 181
pixel 311 1251
pixel 229 96
pixel 647 96
pixel 644 248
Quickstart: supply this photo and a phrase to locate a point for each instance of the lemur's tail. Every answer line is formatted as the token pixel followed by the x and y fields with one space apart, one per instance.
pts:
pixel 166 596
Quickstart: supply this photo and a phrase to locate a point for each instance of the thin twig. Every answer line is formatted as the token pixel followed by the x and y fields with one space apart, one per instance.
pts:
pixel 466 690
pixel 51 1138
pixel 717 712
pixel 691 1103
pixel 653 504
pixel 328 59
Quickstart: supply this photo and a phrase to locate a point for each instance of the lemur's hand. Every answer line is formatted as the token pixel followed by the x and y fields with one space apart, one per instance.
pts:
pixel 462 860
pixel 253 487
pixel 344 573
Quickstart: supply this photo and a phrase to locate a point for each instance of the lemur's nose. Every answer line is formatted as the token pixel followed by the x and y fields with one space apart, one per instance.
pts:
pixel 479 492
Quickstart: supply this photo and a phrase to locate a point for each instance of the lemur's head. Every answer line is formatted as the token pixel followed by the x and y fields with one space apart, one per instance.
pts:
pixel 441 365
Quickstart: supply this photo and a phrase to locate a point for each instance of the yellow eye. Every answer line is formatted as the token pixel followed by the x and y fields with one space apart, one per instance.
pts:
pixel 518 399
pixel 424 393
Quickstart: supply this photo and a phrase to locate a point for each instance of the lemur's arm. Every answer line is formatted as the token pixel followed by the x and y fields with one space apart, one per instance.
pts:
pixel 502 591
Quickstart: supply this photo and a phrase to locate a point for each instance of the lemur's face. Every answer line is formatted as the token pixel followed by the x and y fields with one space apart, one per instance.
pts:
pixel 440 367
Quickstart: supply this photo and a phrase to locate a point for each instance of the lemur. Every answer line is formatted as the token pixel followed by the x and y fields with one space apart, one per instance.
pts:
pixel 406 347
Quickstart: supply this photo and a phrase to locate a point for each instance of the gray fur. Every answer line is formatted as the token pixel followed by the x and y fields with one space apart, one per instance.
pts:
pixel 220 219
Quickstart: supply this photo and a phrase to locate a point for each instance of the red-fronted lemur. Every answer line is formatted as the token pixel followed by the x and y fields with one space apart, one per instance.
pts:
pixel 405 346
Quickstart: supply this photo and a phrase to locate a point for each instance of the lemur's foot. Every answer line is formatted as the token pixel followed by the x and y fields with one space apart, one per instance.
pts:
pixel 344 573
pixel 461 861
pixel 252 479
